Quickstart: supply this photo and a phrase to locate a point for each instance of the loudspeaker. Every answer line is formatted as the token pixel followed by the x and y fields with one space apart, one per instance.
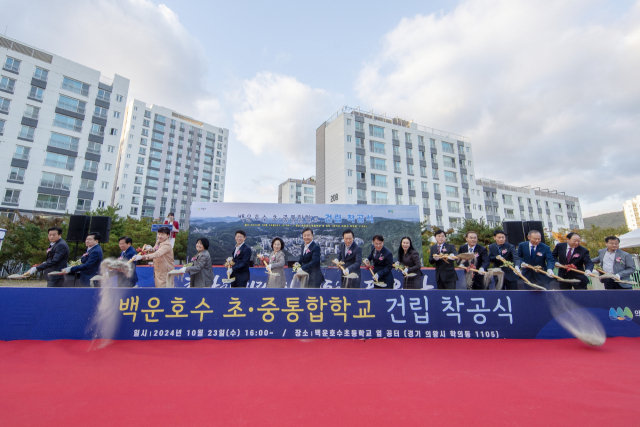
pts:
pixel 515 232
pixel 534 225
pixel 78 228
pixel 101 224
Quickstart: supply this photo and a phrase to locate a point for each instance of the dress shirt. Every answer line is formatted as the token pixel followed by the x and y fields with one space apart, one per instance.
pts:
pixel 608 260
pixel 238 249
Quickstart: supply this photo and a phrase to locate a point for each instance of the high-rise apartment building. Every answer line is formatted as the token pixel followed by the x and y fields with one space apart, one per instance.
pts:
pixel 297 191
pixel 60 127
pixel 631 215
pixel 369 158
pixel 167 160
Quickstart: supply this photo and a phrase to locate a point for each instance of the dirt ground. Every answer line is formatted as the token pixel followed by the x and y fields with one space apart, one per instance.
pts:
pixel 23 283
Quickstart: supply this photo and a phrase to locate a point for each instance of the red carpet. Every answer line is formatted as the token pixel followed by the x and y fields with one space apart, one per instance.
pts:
pixel 321 382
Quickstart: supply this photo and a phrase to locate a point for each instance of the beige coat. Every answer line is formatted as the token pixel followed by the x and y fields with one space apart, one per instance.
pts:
pixel 162 263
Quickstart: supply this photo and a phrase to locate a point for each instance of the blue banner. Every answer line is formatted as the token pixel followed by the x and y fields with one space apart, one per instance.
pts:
pixel 185 314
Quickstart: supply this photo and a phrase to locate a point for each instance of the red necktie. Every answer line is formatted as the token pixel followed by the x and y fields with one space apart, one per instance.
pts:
pixel 569 255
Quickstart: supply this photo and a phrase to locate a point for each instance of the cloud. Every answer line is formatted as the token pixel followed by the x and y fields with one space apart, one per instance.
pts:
pixel 278 114
pixel 546 91
pixel 136 39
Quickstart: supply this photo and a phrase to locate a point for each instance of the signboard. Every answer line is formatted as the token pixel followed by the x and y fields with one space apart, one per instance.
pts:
pixel 156 227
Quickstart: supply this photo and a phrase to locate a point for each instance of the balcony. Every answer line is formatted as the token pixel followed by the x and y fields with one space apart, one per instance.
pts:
pixel 96 132
pixel 449 164
pixel 510 216
pixel 34 94
pixel 89 188
pixel 453 194
pixel 454 209
pixel 7 86
pixel 105 97
pixel 90 168
pixel 359 145
pixel 95 150
pixel 378 150
pixel 54 184
pixel 507 202
pixel 59 165
pixel 26 135
pixel 377 183
pixel 68 126
pixel 447 149
pixel 40 76
pixel 83 208
pixel 71 107
pixel 13 67
pixel 397 169
pixel 362 181
pixel 450 179
pixel 29 115
pixel 557 210
pixel 379 166
pixel 67 146
pixel 51 205
pixel 378 201
pixel 100 114
pixel 21 156
pixel 74 89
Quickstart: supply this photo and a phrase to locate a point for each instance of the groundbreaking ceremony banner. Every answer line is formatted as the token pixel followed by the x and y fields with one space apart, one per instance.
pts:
pixel 218 222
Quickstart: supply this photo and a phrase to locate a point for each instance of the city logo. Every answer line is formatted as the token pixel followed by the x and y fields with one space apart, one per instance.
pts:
pixel 620 314
pixel 390 210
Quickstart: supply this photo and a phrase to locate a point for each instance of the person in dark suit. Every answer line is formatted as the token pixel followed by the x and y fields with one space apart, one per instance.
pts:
pixel 410 258
pixel 535 253
pixel 351 255
pixel 575 256
pixel 57 257
pixel 446 275
pixel 310 259
pixel 241 258
pixel 127 253
pixel 91 260
pixel 382 260
pixel 480 262
pixel 509 253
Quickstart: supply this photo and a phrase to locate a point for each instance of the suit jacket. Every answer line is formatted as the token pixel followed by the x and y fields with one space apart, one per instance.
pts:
pixel 544 260
pixel 352 261
pixel 482 257
pixel 625 267
pixel 508 252
pixel 383 267
pixel 240 270
pixel 57 258
pixel 201 272
pixel 580 259
pixel 90 265
pixel 310 263
pixel 411 260
pixel 277 261
pixel 445 272
pixel 128 254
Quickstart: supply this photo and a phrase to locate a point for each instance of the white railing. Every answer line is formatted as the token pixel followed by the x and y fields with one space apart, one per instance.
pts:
pixel 74 89
pixel 378 201
pixel 94 150
pixel 96 132
pixel 70 107
pixel 65 125
pixel 101 114
pixel 23 156
pixel 15 177
pixel 29 115
pixel 450 179
pixel 51 205
pixel 378 150
pixel 379 166
pixel 92 168
pixel 377 183
pixel 11 200
pixel 106 98
pixel 26 135
pixel 53 184
pixel 59 165
pixel 65 145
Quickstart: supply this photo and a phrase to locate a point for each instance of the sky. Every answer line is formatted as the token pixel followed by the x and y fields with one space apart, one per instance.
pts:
pixel 547 92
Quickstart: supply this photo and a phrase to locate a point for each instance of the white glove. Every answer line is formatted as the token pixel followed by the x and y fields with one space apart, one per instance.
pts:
pixel 481 270
pixel 66 270
pixel 137 257
pixel 346 271
pixel 269 268
pixel 229 271
pixel 405 271
pixel 32 271
pixel 549 272
pixel 588 272
pixel 183 270
pixel 617 276
pixel 558 264
pixel 375 277
pixel 524 264
pixel 518 270
pixel 436 257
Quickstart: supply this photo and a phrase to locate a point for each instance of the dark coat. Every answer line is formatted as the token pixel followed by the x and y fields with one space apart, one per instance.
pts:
pixel 351 261
pixel 509 253
pixel 90 265
pixel 201 272
pixel 445 272
pixel 310 263
pixel 240 269
pixel 544 260
pixel 127 255
pixel 411 260
pixel 580 259
pixel 480 261
pixel 57 259
pixel 383 267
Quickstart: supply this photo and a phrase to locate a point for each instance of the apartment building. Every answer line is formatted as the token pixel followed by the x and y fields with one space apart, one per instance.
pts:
pixel 60 128
pixel 630 209
pixel 166 160
pixel 297 191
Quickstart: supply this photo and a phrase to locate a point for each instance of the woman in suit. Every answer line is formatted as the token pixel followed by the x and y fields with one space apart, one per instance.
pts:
pixel 277 261
pixel 201 272
pixel 382 260
pixel 410 258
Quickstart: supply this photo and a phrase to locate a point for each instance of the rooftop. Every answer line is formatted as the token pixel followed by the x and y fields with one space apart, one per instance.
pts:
pixel 554 194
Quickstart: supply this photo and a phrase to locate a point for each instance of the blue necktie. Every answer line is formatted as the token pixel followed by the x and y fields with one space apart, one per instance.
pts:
pixel 533 251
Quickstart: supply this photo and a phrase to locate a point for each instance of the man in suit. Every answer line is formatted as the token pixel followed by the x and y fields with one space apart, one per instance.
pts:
pixel 382 260
pixel 127 253
pixel 480 262
pixel 57 257
pixel 509 253
pixel 617 262
pixel 310 259
pixel 91 260
pixel 575 256
pixel 241 258
pixel 351 255
pixel 535 253
pixel 446 275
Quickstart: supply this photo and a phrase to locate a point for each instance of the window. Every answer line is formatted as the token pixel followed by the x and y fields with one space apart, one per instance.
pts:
pixel 104 95
pixel 348 138
pixel 2 127
pixel 22 153
pixel 377 147
pixel 348 155
pixel 71 104
pixel 26 132
pixel 412 184
pixel 423 171
pixel 107 166
pixel 398 199
pixel 139 170
pixel 105 185
pixel 69 123
pixel 436 188
pixel 359 126
pixel 379 198
pixel 11 64
pixel 100 112
pixel 114 131
pixel 378 180
pixel 36 93
pixel 83 205
pixel 450 176
pixel 7 84
pixel 559 219
pixel 119 99
pixel 147 114
pixel 94 147
pixel 348 122
pixel 424 186
pixel 376 131
pixel 434 174
pixel 59 161
pixel 101 203
pixel 409 153
pixel 412 200
pixel 397 167
pixel 361 194
pixel 447 147
pixel 397 182
pixel 349 172
pixel 452 191
pixel 41 74
pixel 75 86
pixel 379 164
pixel 11 196
pixel 449 161
pixel 4 105
pixel 97 129
pixel 410 169
pixel 47 201
pixel 17 174
pixel 145 132
pixel 507 199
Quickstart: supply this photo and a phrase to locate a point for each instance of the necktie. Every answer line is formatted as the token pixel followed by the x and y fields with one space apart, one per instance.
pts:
pixel 470 250
pixel 569 255
pixel 440 250
pixel 533 251
pixel 237 251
